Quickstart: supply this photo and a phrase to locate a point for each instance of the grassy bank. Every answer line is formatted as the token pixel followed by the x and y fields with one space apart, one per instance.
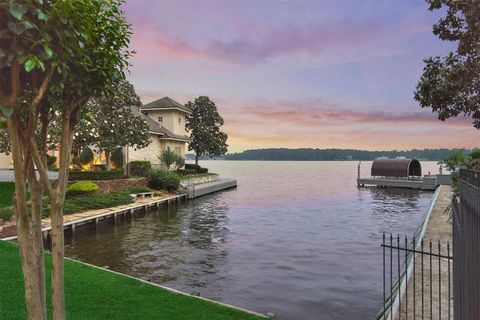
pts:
pixel 96 294
pixel 6 192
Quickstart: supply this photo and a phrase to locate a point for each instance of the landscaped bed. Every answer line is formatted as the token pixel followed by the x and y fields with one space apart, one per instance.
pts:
pixel 92 293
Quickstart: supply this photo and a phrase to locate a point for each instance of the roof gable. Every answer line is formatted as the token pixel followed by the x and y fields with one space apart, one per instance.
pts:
pixel 166 103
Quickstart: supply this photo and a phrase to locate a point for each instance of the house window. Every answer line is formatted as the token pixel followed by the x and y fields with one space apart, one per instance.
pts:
pixel 179 120
pixel 160 119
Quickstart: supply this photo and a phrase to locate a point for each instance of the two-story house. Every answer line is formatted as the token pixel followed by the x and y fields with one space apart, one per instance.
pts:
pixel 166 121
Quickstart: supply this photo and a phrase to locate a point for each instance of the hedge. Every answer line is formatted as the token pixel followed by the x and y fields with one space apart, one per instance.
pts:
pixel 82 188
pixel 202 170
pixel 185 172
pixel 190 166
pixel 97 175
pixel 161 179
pixel 139 168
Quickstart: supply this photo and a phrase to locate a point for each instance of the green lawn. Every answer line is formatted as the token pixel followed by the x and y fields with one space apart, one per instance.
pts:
pixel 6 192
pixel 96 294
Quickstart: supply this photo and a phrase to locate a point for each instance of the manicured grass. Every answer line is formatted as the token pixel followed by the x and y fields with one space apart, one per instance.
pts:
pixel 96 294
pixel 6 192
pixel 198 175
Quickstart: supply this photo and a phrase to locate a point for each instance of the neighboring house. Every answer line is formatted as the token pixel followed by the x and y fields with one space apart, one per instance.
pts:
pixel 166 120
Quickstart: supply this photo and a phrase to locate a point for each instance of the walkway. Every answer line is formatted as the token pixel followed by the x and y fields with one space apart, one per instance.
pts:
pixel 439 228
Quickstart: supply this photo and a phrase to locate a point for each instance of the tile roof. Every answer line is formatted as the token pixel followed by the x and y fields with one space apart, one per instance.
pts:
pixel 166 103
pixel 156 128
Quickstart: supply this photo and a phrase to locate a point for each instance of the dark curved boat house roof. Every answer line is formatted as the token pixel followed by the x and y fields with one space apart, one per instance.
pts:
pixel 399 167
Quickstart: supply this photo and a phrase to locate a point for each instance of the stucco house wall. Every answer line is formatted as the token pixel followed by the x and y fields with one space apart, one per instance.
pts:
pixel 5 161
pixel 173 120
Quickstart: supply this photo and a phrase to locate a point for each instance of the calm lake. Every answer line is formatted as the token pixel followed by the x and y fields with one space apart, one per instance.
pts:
pixel 298 239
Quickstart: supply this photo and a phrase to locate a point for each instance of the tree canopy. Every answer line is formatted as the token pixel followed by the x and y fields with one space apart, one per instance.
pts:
pixel 206 138
pixel 450 85
pixel 107 122
pixel 54 56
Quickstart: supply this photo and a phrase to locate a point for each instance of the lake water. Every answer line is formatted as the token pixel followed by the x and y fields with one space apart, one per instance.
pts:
pixel 298 239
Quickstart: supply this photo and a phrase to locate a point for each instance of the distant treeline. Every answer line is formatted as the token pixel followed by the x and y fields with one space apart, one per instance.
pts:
pixel 310 154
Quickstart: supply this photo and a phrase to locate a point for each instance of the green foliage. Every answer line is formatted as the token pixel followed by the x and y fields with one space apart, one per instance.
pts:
pixel 108 121
pixel 6 193
pixel 98 167
pixel 86 156
pixel 51 160
pixel 204 124
pixel 97 201
pixel 82 188
pixel 185 172
pixel 137 189
pixel 139 168
pixel 191 166
pixel 97 175
pixel 202 170
pixel 6 214
pixel 161 179
pixel 179 161
pixel 449 85
pixel 310 154
pixel 169 158
pixel 117 158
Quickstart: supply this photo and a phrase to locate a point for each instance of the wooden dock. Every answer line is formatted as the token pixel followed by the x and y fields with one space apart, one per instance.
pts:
pixel 94 217
pixel 425 183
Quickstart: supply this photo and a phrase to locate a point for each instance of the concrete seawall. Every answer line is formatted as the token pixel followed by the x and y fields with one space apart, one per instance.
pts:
pixel 199 190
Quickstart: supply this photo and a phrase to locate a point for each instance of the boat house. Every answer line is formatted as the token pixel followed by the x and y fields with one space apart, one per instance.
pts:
pixel 398 168
pixel 398 173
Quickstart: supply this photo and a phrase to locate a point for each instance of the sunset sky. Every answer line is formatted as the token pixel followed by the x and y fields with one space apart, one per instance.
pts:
pixel 322 74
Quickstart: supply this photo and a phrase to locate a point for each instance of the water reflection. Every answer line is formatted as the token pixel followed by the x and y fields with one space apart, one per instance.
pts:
pixel 297 239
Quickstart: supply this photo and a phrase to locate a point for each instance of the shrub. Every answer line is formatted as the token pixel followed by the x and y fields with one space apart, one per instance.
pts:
pixel 192 166
pixel 6 214
pixel 98 201
pixel 97 175
pixel 86 156
pixel 81 188
pixel 185 172
pixel 161 179
pixel 168 157
pixel 137 189
pixel 202 170
pixel 117 158
pixel 179 161
pixel 51 160
pixel 99 167
pixel 139 168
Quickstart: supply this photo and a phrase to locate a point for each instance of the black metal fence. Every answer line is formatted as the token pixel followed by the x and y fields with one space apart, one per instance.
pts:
pixel 417 279
pixel 466 245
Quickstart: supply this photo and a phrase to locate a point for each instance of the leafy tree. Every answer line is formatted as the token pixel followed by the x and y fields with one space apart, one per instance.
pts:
pixel 54 56
pixel 118 158
pixel 450 85
pixel 109 123
pixel 86 156
pixel 204 125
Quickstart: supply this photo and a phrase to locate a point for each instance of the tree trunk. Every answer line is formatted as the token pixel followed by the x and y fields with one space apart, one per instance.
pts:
pixel 196 159
pixel 107 159
pixel 58 281
pixel 29 250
